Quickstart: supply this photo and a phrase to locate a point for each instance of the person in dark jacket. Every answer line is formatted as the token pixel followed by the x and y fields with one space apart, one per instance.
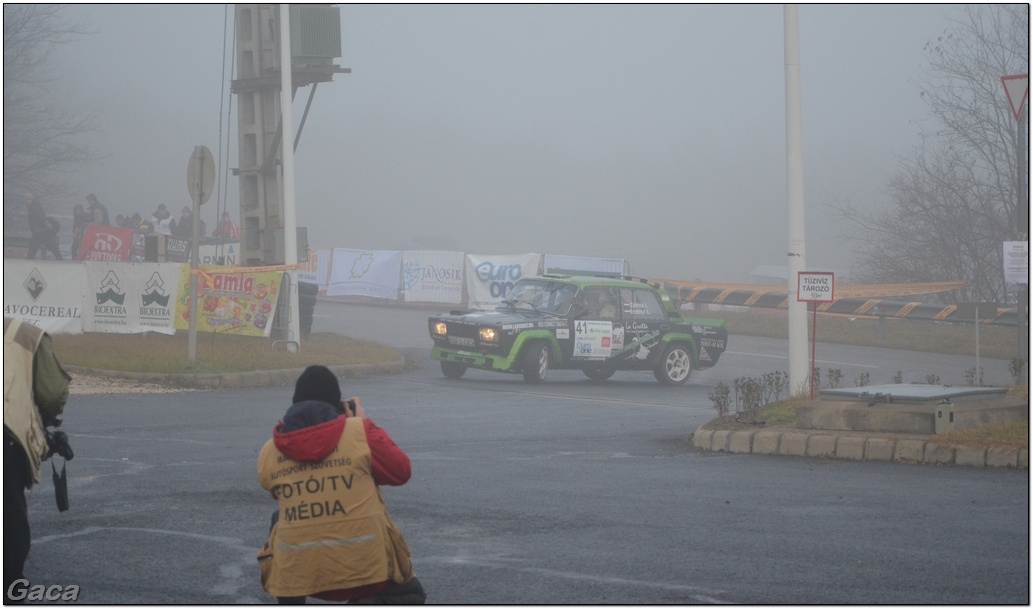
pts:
pixel 44 230
pixel 332 537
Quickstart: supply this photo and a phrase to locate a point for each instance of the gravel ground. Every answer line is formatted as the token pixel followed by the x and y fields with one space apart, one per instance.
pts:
pixel 90 384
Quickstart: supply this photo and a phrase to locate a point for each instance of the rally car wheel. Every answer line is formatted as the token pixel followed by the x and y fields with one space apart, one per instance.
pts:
pixel 675 366
pixel 536 362
pixel 599 374
pixel 452 370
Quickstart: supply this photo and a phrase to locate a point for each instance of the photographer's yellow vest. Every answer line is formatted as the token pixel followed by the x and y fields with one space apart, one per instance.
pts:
pixel 21 417
pixel 334 531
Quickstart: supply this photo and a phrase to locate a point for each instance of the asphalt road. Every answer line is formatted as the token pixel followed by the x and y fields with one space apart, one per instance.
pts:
pixel 565 492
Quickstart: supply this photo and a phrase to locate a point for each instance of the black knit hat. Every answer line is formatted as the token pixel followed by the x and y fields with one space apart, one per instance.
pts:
pixel 317 383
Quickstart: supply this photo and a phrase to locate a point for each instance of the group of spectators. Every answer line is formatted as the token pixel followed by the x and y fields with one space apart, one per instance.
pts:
pixel 44 228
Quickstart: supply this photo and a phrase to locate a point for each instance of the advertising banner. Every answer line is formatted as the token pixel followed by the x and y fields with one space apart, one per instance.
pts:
pixel 489 278
pixel 557 263
pixel 46 293
pixel 230 299
pixel 364 273
pixel 130 298
pixel 433 276
pixel 317 269
pixel 106 243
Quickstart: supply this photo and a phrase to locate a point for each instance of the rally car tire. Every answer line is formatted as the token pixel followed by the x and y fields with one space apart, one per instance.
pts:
pixel 599 373
pixel 453 370
pixel 536 362
pixel 675 366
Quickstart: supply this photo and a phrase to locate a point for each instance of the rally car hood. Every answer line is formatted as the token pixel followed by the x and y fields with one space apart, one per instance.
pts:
pixel 493 318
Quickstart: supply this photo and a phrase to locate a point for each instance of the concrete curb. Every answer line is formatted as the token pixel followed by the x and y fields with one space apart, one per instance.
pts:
pixel 237 380
pixel 856 446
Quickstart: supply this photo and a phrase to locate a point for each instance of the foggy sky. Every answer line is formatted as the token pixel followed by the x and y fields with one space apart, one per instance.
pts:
pixel 652 133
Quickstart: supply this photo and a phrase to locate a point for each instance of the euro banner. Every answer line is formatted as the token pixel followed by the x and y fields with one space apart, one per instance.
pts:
pixel 490 278
pixel 229 299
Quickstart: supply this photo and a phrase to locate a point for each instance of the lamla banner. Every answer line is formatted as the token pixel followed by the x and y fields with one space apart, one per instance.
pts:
pixel 230 299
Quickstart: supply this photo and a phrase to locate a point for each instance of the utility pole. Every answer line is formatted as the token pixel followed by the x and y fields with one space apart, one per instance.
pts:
pixel 797 259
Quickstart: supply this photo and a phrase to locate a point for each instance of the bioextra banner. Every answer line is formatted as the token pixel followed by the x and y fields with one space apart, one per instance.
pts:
pixel 46 293
pixel 130 298
pixel 490 278
pixel 433 276
pixel 364 273
pixel 230 299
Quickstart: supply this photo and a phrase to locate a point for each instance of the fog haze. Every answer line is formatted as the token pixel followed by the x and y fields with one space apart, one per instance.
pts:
pixel 652 133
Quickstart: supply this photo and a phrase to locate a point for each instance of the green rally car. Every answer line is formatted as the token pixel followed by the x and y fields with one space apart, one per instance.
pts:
pixel 595 324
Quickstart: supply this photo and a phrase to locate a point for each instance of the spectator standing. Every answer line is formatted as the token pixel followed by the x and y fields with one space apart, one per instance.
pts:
pixel 184 228
pixel 44 230
pixel 227 228
pixel 79 221
pixel 35 393
pixel 161 221
pixel 98 212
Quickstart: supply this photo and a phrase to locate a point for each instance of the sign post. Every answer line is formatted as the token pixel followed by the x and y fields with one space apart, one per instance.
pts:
pixel 200 180
pixel 815 287
pixel 1016 89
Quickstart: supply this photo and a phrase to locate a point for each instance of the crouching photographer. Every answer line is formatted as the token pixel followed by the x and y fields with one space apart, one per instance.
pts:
pixel 35 394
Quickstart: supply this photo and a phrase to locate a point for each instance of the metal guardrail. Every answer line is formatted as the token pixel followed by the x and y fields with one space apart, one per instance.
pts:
pixel 859 307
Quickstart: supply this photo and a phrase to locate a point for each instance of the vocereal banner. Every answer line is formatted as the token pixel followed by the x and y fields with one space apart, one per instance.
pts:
pixel 130 298
pixel 364 273
pixel 490 278
pixel 46 293
pixel 433 276
pixel 230 299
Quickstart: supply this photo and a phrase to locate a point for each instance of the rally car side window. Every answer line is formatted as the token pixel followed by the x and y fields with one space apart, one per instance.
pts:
pixel 642 305
pixel 598 303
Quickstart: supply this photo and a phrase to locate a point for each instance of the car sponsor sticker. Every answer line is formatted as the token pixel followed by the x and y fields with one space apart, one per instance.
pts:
pixel 593 339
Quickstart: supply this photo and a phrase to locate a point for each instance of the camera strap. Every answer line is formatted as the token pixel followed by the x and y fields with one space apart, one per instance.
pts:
pixel 60 487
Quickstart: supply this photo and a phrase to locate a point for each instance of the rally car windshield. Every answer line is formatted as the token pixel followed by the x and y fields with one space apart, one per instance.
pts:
pixel 541 296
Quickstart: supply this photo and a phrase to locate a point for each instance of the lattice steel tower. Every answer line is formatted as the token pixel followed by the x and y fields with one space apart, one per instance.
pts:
pixel 315 33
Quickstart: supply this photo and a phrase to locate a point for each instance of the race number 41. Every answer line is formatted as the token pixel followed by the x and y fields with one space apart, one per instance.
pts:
pixel 815 287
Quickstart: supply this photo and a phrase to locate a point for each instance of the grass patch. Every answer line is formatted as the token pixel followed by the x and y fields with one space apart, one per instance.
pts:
pixel 780 412
pixel 1011 436
pixel 215 353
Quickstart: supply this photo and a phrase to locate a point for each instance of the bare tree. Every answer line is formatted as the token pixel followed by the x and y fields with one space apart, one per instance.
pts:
pixel 42 141
pixel 954 197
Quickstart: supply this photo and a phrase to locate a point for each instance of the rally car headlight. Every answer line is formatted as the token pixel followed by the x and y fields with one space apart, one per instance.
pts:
pixel 488 335
pixel 441 328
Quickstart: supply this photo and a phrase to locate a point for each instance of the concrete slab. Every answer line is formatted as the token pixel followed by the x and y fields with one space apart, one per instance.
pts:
pixel 741 442
pixel 850 447
pixel 909 450
pixel 912 417
pixel 766 441
pixel 821 446
pixel 879 449
pixel 793 444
